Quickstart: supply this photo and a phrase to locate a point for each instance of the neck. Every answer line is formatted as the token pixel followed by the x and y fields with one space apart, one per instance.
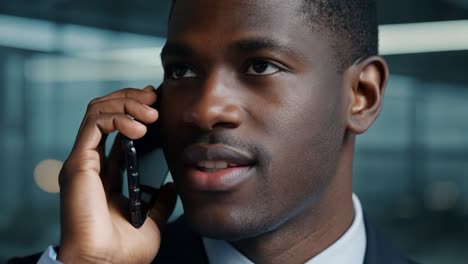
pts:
pixel 311 230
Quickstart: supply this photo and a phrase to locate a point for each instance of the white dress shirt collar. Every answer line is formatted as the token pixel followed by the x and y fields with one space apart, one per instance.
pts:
pixel 349 248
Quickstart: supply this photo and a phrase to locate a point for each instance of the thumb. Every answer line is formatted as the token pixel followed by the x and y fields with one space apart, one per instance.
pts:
pixel 164 205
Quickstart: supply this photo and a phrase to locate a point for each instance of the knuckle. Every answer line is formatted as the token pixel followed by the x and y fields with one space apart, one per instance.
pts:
pixel 93 118
pixel 94 101
pixel 127 91
pixel 129 104
pixel 91 108
pixel 79 161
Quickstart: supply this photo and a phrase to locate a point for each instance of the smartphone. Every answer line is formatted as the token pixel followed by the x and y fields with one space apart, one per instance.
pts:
pixel 146 169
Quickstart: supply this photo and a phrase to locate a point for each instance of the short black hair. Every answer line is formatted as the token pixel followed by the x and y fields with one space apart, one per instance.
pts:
pixel 351 24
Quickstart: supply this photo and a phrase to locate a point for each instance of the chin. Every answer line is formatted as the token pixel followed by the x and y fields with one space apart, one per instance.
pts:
pixel 229 224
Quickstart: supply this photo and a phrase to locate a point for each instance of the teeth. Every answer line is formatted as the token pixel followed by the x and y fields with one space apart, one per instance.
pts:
pixel 208 164
pixel 221 164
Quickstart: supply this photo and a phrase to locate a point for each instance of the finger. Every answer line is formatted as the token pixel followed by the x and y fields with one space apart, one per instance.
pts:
pixel 94 126
pixel 112 177
pixel 146 96
pixel 130 106
pixel 164 205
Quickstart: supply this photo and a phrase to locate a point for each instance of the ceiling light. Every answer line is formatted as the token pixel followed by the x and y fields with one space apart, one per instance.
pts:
pixel 423 37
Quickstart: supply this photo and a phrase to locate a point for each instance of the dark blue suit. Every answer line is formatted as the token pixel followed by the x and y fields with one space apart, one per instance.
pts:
pixel 182 245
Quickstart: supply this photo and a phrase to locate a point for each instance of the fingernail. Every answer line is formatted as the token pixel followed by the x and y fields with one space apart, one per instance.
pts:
pixel 151 109
pixel 140 125
pixel 149 87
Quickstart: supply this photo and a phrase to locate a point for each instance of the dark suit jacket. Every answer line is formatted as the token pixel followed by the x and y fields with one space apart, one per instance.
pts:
pixel 182 245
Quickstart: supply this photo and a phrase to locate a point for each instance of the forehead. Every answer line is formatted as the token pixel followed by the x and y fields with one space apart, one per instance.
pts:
pixel 216 22
pixel 228 13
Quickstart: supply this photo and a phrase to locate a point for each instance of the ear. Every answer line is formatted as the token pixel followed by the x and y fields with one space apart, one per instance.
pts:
pixel 368 80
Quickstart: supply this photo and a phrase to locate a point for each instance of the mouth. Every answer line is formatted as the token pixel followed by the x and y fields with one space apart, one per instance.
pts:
pixel 214 165
pixel 217 167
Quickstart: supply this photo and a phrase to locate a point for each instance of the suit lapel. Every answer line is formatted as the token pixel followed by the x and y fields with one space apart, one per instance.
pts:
pixel 378 251
pixel 181 245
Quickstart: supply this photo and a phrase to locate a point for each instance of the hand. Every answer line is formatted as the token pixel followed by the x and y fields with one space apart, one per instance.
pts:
pixel 94 215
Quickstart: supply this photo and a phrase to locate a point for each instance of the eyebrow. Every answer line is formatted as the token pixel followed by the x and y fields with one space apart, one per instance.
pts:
pixel 245 46
pixel 258 44
pixel 176 50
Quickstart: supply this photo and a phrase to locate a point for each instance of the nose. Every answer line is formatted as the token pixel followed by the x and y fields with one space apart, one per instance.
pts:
pixel 214 105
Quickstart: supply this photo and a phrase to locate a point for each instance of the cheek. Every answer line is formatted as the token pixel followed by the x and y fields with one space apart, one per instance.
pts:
pixel 305 133
pixel 174 102
pixel 308 116
pixel 170 115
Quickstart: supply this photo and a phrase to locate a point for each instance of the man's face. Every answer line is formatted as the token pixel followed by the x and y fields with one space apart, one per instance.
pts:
pixel 252 113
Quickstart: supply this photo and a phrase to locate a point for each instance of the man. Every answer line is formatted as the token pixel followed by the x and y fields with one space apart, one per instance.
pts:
pixel 261 104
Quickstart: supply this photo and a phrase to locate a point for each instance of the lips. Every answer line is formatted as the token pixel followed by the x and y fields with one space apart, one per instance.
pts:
pixel 217 167
pixel 201 152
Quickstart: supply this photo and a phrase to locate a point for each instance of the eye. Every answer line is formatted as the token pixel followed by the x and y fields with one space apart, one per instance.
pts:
pixel 262 68
pixel 180 71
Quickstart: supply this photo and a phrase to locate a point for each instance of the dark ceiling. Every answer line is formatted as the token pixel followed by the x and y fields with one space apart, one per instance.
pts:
pixel 149 17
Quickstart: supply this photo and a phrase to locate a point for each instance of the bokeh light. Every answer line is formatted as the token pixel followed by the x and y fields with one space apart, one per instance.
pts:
pixel 46 175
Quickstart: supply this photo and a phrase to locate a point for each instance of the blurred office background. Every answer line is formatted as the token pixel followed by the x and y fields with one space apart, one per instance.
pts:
pixel 411 170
